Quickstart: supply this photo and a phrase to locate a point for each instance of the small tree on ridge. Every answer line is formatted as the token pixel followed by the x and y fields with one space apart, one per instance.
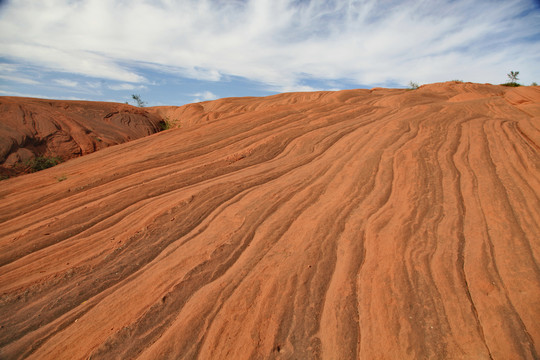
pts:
pixel 137 98
pixel 513 76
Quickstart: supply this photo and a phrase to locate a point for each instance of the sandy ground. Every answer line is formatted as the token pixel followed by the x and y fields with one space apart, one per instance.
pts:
pixel 370 224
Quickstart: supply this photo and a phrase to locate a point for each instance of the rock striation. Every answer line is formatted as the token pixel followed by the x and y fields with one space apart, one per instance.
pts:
pixel 369 224
pixel 31 128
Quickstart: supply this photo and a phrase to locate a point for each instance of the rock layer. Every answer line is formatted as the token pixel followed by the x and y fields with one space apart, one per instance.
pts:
pixel 65 129
pixel 370 224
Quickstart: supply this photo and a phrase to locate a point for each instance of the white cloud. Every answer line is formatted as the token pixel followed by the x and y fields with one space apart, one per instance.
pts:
pixel 295 88
pixel 93 84
pixel 19 79
pixel 125 86
pixel 12 72
pixel 66 82
pixel 279 43
pixel 5 67
pixel 204 96
pixel 63 59
pixel 15 93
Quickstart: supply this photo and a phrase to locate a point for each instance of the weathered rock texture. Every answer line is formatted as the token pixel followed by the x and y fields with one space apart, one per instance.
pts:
pixel 370 224
pixel 65 129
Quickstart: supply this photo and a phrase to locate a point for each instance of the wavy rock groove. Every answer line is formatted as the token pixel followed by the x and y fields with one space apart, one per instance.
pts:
pixel 369 224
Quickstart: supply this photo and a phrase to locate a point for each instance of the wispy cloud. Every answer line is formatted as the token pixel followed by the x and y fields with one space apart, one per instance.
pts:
pixel 279 43
pixel 19 79
pixel 204 96
pixel 12 93
pixel 93 84
pixel 126 86
pixel 66 82
pixel 12 73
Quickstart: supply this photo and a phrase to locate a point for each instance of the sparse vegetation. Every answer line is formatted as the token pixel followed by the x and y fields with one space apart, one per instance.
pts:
pixel 534 84
pixel 4 177
pixel 513 76
pixel 42 162
pixel 458 81
pixel 167 124
pixel 413 85
pixel 61 178
pixel 138 100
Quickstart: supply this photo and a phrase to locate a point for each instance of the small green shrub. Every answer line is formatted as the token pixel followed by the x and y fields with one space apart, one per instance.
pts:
pixel 458 81
pixel 61 178
pixel 138 100
pixel 167 124
pixel 413 85
pixel 534 84
pixel 42 162
pixel 513 76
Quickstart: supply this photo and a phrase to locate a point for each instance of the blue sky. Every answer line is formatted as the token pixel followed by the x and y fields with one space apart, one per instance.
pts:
pixel 174 52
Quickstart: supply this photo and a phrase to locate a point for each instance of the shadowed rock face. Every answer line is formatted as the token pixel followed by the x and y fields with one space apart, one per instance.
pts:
pixel 65 129
pixel 372 224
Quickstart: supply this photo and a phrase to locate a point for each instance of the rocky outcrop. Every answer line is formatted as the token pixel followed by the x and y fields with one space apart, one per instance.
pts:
pixel 65 129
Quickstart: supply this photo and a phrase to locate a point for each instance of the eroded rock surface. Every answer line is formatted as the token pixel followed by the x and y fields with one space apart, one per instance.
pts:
pixel 65 129
pixel 370 224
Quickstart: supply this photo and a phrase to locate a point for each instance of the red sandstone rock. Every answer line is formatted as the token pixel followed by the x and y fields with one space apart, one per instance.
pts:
pixel 66 129
pixel 370 224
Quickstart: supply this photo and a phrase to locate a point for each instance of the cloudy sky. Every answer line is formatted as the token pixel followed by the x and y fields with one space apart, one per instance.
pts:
pixel 173 52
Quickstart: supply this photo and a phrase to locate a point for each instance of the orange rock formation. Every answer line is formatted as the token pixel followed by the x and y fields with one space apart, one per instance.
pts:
pixel 370 224
pixel 65 129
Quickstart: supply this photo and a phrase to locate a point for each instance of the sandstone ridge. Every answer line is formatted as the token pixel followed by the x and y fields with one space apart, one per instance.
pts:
pixel 369 224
